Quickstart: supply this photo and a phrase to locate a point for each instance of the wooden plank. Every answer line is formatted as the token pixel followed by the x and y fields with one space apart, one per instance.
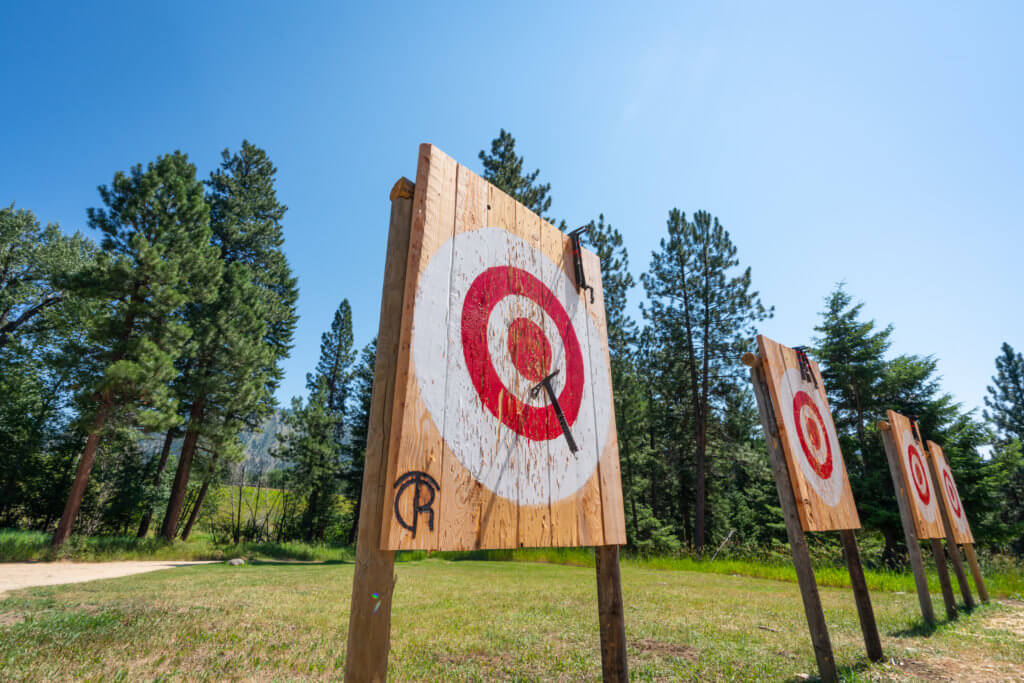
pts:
pixel 907 519
pixel 979 580
pixel 610 614
pixel 369 627
pixel 935 457
pixel 940 568
pixel 951 503
pixel 817 471
pixel 797 542
pixel 608 466
pixel 922 499
pixel 460 492
pixel 565 512
pixel 868 627
pixel 416 444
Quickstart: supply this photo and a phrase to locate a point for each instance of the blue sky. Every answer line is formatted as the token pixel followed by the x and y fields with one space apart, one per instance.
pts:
pixel 879 145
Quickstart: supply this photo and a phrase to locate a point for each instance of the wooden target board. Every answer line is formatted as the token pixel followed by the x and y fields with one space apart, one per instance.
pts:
pixel 950 495
pixel 478 457
pixel 817 471
pixel 924 503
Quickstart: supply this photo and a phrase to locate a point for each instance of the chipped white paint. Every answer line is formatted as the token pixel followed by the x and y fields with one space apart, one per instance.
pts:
pixel 812 436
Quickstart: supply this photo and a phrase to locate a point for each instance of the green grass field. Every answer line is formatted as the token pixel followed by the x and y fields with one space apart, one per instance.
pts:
pixel 476 621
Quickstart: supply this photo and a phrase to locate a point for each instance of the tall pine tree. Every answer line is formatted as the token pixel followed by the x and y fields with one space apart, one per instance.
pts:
pixel 1005 401
pixel 503 168
pixel 245 331
pixel 156 258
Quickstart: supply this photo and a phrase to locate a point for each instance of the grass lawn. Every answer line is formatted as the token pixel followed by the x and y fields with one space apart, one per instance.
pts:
pixel 477 621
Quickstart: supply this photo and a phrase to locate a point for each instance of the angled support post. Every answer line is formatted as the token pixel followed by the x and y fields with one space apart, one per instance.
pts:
pixel 369 626
pixel 610 615
pixel 979 580
pixel 866 613
pixel 797 541
pixel 913 545
pixel 951 547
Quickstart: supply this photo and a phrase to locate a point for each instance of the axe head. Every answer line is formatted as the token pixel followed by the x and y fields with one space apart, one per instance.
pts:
pixel 540 385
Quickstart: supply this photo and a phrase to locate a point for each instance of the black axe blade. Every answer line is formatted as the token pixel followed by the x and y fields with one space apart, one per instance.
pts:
pixel 546 385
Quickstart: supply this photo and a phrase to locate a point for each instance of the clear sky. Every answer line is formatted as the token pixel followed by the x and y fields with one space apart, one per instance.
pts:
pixel 879 144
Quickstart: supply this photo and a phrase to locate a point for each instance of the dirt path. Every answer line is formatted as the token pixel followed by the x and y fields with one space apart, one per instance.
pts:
pixel 15 575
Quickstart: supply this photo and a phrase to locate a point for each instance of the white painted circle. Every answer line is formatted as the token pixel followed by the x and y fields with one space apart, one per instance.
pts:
pixel 830 487
pixel 918 477
pixel 956 503
pixel 528 471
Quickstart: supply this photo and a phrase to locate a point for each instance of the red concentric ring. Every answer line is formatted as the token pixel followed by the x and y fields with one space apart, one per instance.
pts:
pixel 487 290
pixel 954 499
pixel 919 474
pixel 812 429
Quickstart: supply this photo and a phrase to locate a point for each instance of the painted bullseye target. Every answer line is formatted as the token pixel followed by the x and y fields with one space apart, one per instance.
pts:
pixel 812 436
pixel 917 469
pixel 511 317
pixel 951 494
pixel 810 428
pixel 527 347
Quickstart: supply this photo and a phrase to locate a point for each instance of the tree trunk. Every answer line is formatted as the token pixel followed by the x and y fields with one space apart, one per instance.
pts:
pixel 164 453
pixel 67 520
pixel 195 510
pixel 188 451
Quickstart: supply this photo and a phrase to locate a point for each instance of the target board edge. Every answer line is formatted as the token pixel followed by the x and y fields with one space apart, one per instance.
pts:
pixel 950 495
pixel 816 467
pixel 508 479
pixel 919 489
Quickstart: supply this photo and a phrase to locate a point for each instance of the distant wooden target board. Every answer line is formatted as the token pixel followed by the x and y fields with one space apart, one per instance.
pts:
pixel 478 457
pixel 808 434
pixel 924 502
pixel 950 495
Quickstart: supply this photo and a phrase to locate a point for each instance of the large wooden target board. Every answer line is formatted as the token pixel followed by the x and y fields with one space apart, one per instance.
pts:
pixel 808 434
pixel 477 456
pixel 951 496
pixel 924 503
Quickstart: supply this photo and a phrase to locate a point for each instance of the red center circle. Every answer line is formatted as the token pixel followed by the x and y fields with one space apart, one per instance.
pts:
pixel 529 348
pixel 814 426
pixel 917 471
pixel 954 499
pixel 487 290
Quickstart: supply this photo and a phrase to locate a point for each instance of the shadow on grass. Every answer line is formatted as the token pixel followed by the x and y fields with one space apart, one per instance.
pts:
pixel 847 672
pixel 919 628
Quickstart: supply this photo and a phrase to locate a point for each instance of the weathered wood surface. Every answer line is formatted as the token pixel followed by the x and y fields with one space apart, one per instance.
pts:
pixel 936 457
pixel 943 573
pixel 952 505
pixel 490 308
pixel 815 463
pixel 907 520
pixel 866 613
pixel 979 580
pixel 797 542
pixel 920 494
pixel 369 626
pixel 610 614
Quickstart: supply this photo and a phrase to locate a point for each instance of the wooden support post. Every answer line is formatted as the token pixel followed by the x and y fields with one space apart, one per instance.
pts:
pixel 940 568
pixel 369 625
pixel 913 547
pixel 610 616
pixel 872 641
pixel 797 541
pixel 951 546
pixel 979 581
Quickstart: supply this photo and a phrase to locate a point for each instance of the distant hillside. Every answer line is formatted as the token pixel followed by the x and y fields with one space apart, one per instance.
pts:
pixel 258 444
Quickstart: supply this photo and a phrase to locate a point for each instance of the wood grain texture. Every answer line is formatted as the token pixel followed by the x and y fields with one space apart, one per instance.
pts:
pixel 816 513
pixel 611 618
pixel 369 631
pixel 907 520
pixel 861 596
pixel 942 571
pixel 918 490
pixel 482 271
pixel 979 580
pixel 952 504
pixel 951 544
pixel 794 530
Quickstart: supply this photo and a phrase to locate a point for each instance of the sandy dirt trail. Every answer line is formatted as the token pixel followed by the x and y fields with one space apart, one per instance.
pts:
pixel 15 575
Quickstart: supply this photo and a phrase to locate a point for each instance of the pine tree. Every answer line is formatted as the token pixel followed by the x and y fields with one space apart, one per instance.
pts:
pixel 1005 401
pixel 156 258
pixel 504 169
pixel 316 443
pixel 245 331
pixel 362 388
pixel 698 304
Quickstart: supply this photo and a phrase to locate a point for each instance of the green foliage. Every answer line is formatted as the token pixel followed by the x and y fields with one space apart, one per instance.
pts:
pixel 504 169
pixel 1005 401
